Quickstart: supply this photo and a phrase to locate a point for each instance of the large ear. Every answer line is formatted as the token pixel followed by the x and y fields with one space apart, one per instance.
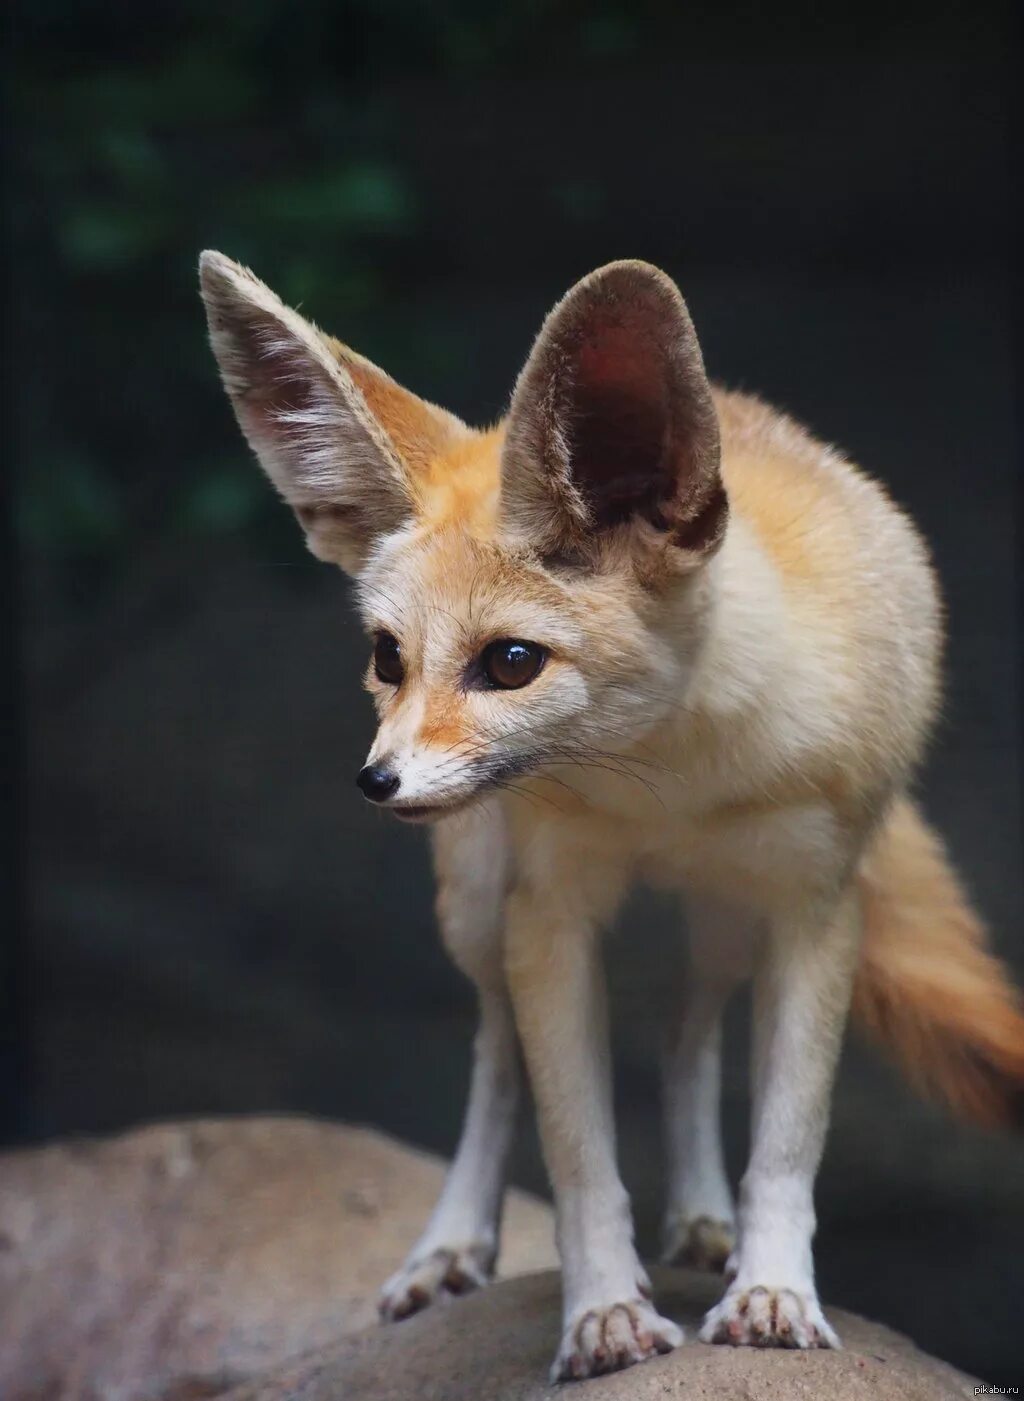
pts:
pixel 612 422
pixel 340 440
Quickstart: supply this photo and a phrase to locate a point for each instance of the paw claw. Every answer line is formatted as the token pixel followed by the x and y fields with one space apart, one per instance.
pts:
pixel 441 1272
pixel 702 1242
pixel 608 1339
pixel 763 1317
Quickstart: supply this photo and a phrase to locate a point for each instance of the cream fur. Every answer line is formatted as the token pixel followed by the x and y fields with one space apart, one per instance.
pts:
pixel 742 671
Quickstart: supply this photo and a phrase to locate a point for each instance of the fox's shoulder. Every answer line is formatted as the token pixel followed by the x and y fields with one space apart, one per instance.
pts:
pixel 820 567
pixel 767 453
pixel 819 517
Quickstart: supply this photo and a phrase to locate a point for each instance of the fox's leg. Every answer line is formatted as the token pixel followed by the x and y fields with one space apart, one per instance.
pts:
pixel 457 1251
pixel 699 1224
pixel 557 987
pixel 801 995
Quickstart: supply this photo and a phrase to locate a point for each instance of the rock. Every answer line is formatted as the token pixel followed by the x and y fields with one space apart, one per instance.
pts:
pixel 176 1261
pixel 497 1345
pixel 241 1259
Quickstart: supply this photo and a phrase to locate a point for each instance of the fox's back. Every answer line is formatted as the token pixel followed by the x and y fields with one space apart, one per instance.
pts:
pixel 833 532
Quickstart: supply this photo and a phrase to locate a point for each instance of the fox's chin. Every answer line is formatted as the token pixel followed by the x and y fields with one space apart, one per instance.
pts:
pixel 432 812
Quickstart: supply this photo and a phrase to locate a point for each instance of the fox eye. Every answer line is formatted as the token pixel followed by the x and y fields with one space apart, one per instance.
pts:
pixel 387 659
pixel 509 664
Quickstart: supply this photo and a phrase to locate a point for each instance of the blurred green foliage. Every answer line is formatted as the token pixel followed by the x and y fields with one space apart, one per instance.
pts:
pixel 142 134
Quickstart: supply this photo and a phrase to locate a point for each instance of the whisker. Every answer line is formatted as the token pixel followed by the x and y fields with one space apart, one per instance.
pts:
pixel 550 778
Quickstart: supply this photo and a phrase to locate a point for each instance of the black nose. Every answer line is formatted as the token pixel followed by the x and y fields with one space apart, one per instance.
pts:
pixel 377 782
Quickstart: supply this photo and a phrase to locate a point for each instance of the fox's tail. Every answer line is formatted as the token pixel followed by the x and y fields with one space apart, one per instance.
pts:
pixel 927 989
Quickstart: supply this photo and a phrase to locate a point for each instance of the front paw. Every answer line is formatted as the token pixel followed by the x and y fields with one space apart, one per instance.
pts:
pixel 425 1278
pixel 702 1242
pixel 761 1316
pixel 608 1339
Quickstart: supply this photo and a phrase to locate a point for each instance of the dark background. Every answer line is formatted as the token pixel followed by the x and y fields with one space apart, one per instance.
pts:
pixel 207 919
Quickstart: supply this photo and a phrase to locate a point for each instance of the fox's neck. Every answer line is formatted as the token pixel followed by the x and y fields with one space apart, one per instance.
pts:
pixel 744 703
pixel 747 642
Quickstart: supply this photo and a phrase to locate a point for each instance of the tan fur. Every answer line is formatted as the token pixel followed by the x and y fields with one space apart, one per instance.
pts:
pixel 819 522
pixel 741 638
pixel 460 484
pixel 444 725
pixel 781 492
pixel 927 989
pixel 418 431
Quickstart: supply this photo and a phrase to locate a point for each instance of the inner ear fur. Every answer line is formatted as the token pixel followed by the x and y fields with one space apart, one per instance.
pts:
pixel 612 420
pixel 339 438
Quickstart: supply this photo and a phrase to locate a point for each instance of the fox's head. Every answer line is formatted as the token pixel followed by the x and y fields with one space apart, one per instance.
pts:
pixel 534 592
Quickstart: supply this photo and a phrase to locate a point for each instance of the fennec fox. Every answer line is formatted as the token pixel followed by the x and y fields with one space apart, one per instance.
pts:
pixel 641 629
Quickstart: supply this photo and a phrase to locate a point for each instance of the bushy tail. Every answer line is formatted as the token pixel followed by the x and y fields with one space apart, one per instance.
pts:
pixel 927 989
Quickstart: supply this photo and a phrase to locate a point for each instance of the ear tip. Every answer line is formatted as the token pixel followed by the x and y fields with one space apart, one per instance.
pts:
pixel 217 270
pixel 630 276
pixel 639 267
pixel 210 260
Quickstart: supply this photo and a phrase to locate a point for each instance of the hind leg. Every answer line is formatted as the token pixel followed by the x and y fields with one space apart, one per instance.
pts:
pixel 459 1246
pixel 699 1222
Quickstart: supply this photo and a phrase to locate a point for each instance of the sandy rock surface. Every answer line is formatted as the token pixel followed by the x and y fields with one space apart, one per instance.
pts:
pixel 242 1258
pixel 497 1345
pixel 175 1261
